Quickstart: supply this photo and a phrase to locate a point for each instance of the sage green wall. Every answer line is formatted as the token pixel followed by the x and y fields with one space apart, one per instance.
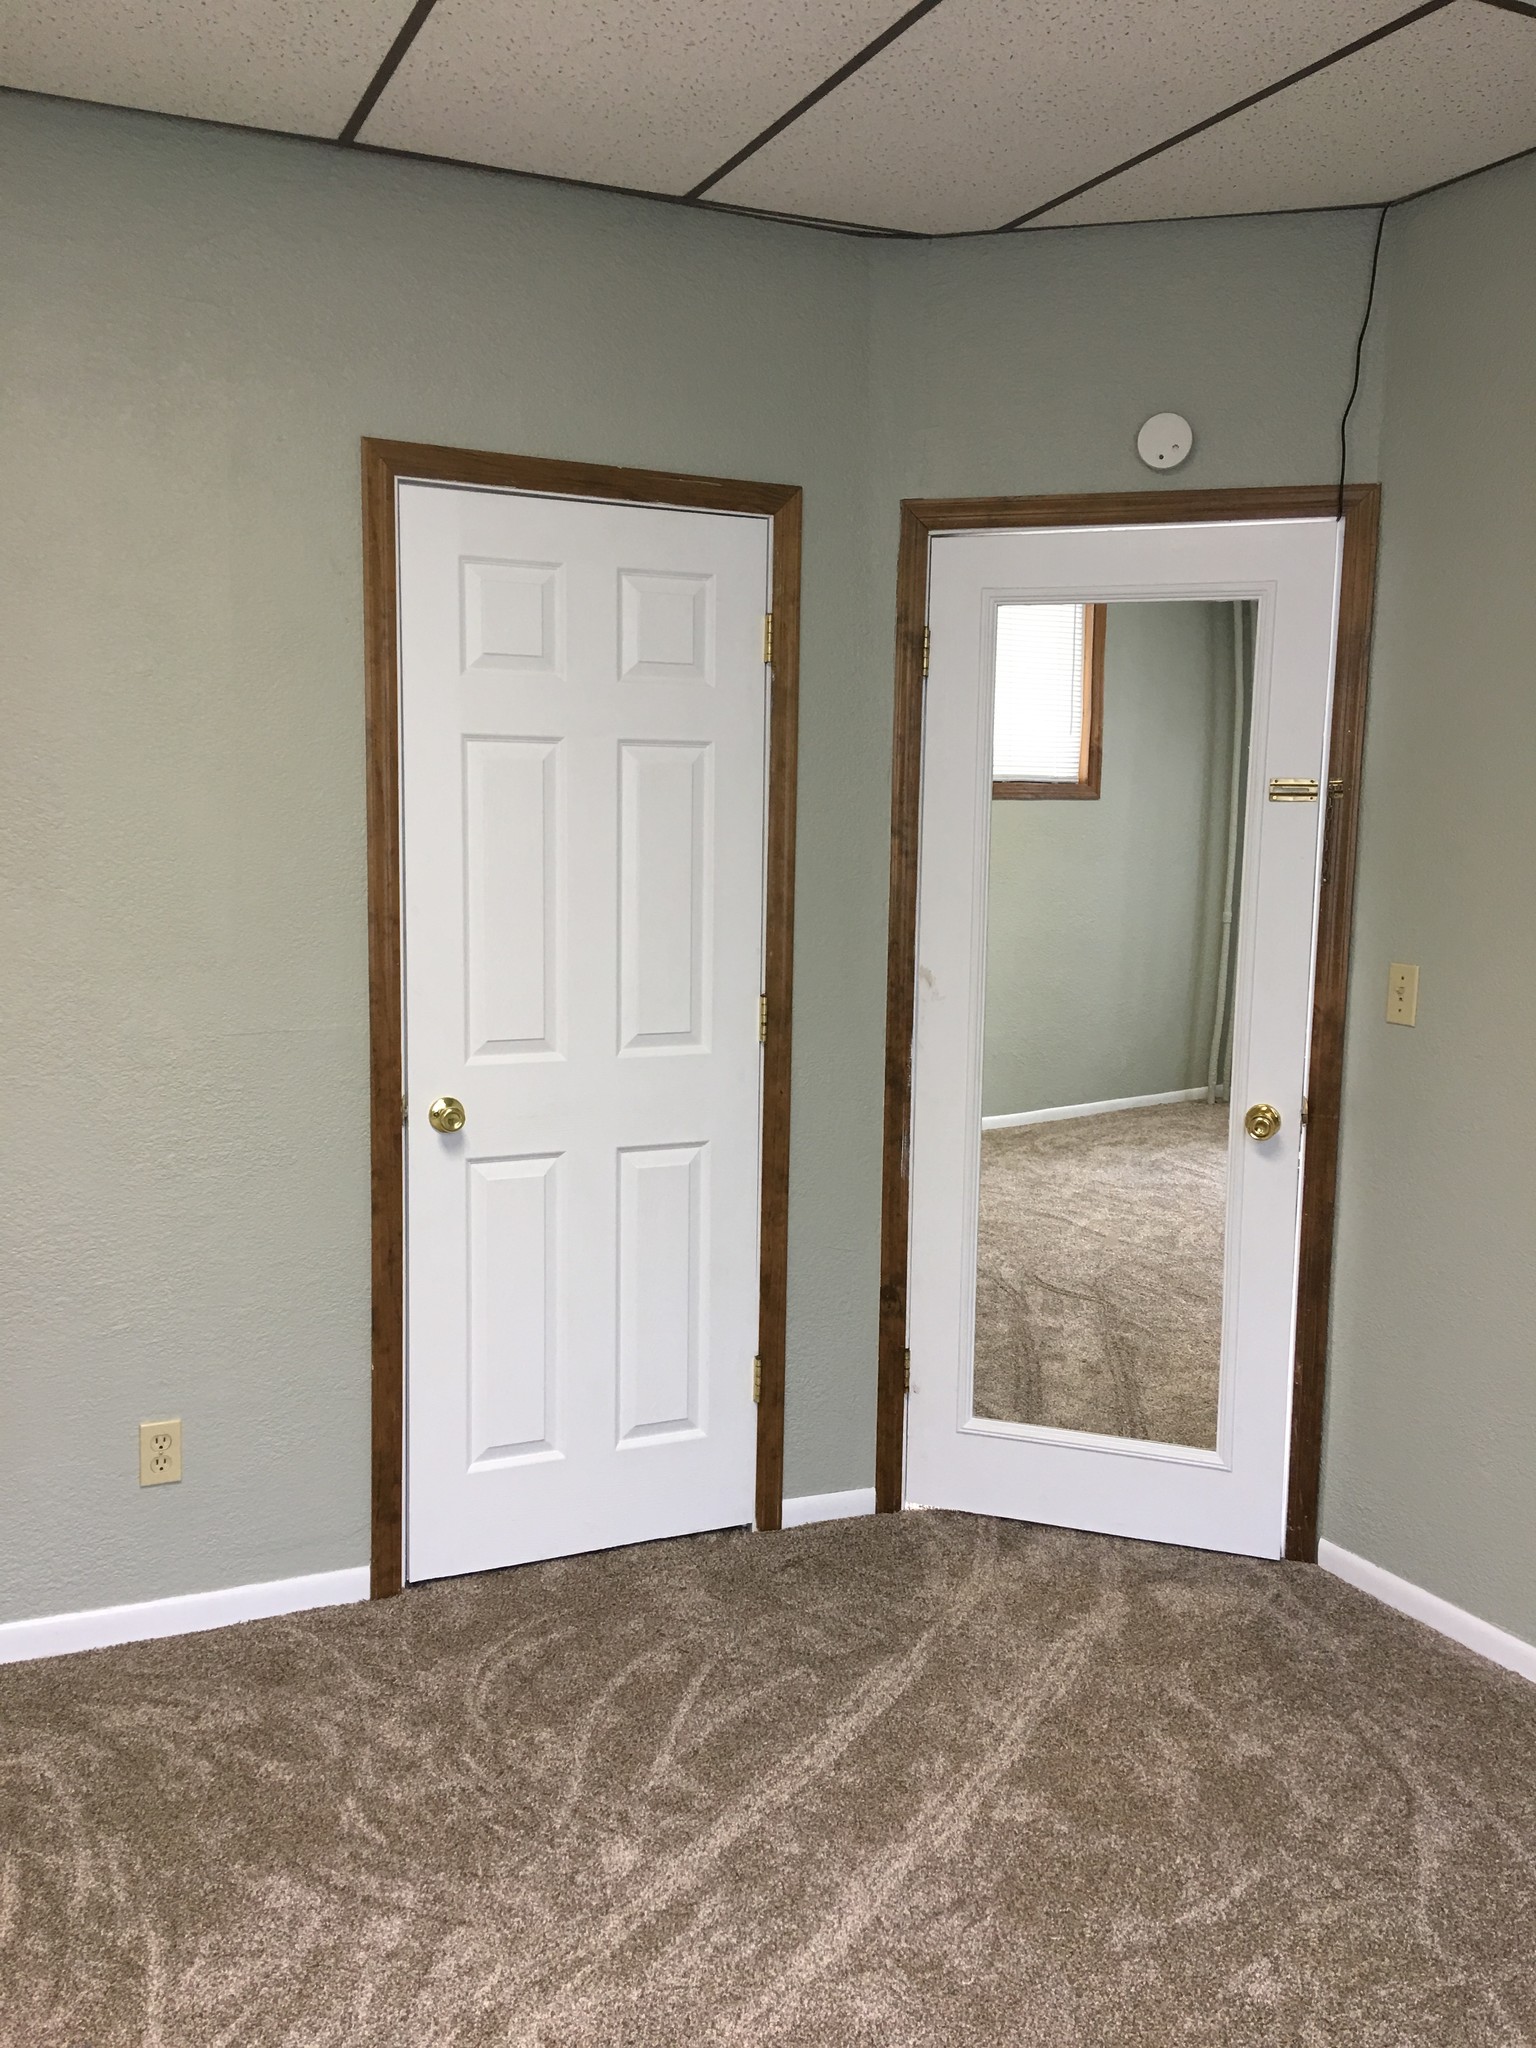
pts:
pixel 1104 919
pixel 1026 363
pixel 196 328
pixel 1431 1438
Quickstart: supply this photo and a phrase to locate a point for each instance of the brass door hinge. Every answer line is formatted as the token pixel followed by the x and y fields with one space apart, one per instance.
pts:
pixel 1303 1112
pixel 757 1379
pixel 906 1372
pixel 767 636
pixel 926 644
pixel 762 1020
pixel 1331 820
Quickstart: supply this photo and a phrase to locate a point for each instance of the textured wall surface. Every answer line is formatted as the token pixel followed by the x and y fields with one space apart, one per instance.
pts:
pixel 1026 363
pixel 1104 918
pixel 1431 1442
pixel 197 327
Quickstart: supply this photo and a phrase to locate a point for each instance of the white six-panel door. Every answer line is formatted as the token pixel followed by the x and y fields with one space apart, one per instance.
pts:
pixel 583 713
pixel 1233 1497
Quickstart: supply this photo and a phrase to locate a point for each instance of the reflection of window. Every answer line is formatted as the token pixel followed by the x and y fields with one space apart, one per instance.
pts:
pixel 1048 711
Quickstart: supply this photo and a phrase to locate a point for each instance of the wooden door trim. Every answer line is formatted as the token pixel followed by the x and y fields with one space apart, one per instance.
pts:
pixel 923 517
pixel 384 463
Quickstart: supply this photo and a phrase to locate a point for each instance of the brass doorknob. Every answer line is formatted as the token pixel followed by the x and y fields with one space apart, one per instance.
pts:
pixel 446 1114
pixel 1262 1121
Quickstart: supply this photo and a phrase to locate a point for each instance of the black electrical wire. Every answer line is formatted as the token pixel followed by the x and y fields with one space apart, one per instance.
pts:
pixel 1349 403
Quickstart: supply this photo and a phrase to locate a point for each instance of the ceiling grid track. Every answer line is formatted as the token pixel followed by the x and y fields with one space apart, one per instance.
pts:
pixel 1254 99
pixel 923 133
pixel 818 93
pixel 414 22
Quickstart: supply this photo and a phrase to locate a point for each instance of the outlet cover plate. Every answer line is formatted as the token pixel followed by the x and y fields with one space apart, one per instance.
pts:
pixel 160 1452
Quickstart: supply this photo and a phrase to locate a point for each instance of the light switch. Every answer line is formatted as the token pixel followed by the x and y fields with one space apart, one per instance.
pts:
pixel 1402 993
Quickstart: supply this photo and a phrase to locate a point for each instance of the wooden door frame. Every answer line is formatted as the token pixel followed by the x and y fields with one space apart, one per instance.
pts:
pixel 385 463
pixel 920 519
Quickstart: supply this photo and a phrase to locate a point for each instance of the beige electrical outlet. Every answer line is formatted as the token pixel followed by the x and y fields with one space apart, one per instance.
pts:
pixel 159 1452
pixel 1402 993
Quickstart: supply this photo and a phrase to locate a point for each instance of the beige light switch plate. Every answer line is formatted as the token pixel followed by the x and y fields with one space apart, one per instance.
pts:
pixel 1402 993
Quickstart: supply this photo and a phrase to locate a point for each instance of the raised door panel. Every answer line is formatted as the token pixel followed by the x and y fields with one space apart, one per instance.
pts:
pixel 662 1193
pixel 512 1308
pixel 512 897
pixel 511 616
pixel 666 627
pixel 665 857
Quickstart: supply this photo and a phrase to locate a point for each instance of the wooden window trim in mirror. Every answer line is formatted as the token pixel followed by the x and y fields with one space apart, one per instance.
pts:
pixel 1087 783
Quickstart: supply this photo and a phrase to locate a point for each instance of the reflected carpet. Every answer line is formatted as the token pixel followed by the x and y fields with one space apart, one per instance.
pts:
pixel 1099 1273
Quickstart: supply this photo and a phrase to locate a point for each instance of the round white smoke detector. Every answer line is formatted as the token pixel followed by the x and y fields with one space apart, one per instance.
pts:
pixel 1165 441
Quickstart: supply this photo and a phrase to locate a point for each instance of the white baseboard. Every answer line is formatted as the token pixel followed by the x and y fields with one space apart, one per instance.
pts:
pixel 828 1507
pixel 1496 1644
pixel 1061 1116
pixel 58 1635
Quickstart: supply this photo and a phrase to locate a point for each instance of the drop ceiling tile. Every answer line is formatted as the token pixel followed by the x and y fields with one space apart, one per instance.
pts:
pixel 1448 95
pixel 288 64
pixel 988 107
pixel 647 93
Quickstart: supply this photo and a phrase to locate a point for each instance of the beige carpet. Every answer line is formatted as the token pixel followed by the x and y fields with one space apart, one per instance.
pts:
pixel 1098 1282
pixel 916 1782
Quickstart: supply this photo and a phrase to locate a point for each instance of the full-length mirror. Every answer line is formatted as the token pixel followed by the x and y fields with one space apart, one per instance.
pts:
pixel 1120 743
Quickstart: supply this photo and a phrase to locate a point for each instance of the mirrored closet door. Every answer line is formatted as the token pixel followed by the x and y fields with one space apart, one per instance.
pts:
pixel 1124 744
